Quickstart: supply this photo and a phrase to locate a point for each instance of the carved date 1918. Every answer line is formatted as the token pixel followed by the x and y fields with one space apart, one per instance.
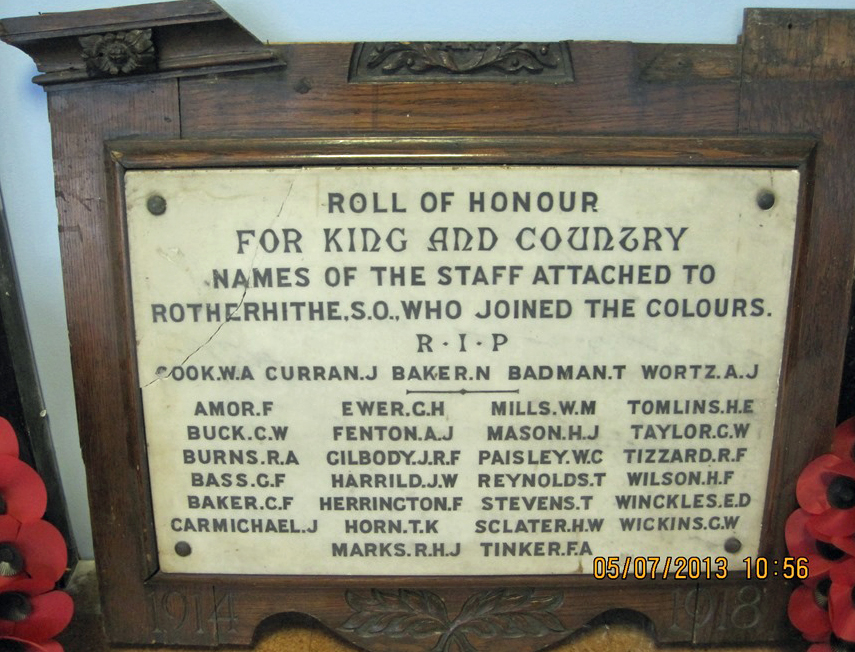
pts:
pixel 706 611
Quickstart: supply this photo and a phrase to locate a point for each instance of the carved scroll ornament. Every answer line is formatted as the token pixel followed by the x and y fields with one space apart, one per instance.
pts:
pixel 421 61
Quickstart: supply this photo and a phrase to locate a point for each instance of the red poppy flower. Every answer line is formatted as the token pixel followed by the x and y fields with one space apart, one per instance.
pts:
pixel 820 647
pixel 37 617
pixel 22 492
pixel 843 444
pixel 822 555
pixel 29 585
pixel 841 606
pixel 812 485
pixel 808 611
pixel 839 519
pixel 14 644
pixel 846 544
pixel 36 550
pixel 826 489
pixel 8 439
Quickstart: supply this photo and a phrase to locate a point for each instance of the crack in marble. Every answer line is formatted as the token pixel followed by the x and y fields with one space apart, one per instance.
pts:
pixel 237 307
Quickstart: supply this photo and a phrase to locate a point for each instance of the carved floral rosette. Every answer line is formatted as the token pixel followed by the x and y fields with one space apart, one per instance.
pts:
pixel 119 53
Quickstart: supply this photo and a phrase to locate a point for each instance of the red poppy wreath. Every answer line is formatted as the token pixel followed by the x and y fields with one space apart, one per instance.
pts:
pixel 32 558
pixel 823 531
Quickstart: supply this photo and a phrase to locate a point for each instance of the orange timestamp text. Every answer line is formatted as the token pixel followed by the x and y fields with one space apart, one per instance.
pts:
pixel 698 568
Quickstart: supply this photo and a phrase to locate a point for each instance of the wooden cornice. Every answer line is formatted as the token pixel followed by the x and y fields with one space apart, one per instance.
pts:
pixel 187 37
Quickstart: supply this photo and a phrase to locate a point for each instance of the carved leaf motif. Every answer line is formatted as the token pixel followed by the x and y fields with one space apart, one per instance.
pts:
pixel 510 613
pixel 501 613
pixel 518 58
pixel 395 61
pixel 460 58
pixel 396 614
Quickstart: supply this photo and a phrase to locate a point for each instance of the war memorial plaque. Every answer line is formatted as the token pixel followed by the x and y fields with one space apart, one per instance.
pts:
pixel 448 345
pixel 458 370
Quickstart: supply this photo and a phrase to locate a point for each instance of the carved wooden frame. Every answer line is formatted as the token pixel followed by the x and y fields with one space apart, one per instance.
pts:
pixel 746 105
pixel 356 608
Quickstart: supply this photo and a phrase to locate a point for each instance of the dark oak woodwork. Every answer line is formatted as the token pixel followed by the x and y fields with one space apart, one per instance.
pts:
pixel 217 97
pixel 606 98
pixel 807 102
pixel 115 460
pixel 191 35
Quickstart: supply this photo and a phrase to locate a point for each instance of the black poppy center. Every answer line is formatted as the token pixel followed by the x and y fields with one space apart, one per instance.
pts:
pixel 14 606
pixel 11 561
pixel 820 593
pixel 829 551
pixel 841 492
pixel 7 645
pixel 839 645
pixel 3 507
